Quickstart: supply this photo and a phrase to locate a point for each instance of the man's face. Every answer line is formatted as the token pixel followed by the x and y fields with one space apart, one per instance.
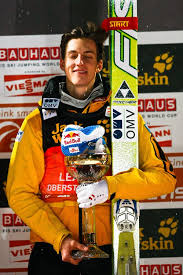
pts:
pixel 80 66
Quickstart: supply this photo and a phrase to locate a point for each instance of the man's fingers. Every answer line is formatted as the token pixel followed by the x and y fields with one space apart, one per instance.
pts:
pixel 75 261
pixel 68 245
pixel 81 247
pixel 69 259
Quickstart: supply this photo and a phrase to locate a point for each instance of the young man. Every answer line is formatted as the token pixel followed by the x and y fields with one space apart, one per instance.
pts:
pixel 40 190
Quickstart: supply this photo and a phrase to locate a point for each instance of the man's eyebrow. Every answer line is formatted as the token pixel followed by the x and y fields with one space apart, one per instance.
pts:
pixel 88 51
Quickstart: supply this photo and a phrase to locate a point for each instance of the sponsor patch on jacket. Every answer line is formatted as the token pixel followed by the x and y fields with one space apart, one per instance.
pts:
pixel 19 136
pixel 50 103
pixel 108 111
pixel 48 114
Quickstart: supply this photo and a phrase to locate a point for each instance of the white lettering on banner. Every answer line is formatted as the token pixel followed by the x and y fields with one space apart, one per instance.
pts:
pixel 11 220
pixel 176 161
pixel 19 251
pixel 161 269
pixel 21 84
pixel 163 134
pixel 22 54
pixel 28 85
pixel 14 112
pixel 61 187
pixel 177 195
pixel 157 105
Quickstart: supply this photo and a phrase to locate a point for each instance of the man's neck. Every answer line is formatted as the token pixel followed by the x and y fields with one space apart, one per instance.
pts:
pixel 79 92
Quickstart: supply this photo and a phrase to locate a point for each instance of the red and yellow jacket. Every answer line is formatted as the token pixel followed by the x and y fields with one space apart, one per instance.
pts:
pixel 42 193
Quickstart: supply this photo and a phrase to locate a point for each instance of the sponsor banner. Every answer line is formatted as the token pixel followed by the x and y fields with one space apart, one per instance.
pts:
pixel 12 227
pixel 11 118
pixel 163 115
pixel 14 242
pixel 160 68
pixel 26 67
pixel 166 266
pixel 19 251
pixel 175 198
pixel 161 237
pixel 25 85
pixel 15 255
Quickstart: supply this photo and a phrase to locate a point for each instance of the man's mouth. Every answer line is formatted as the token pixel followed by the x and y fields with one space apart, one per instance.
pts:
pixel 80 71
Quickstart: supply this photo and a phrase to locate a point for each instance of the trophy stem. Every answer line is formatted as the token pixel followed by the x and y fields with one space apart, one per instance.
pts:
pixel 89 236
pixel 88 168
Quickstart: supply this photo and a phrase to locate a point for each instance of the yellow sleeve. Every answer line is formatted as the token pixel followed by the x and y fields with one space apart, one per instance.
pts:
pixel 154 177
pixel 26 171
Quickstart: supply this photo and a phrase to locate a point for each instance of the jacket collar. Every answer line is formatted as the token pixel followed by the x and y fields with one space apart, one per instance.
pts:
pixel 67 99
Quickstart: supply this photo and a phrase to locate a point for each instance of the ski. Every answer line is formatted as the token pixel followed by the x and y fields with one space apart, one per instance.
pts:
pixel 122 24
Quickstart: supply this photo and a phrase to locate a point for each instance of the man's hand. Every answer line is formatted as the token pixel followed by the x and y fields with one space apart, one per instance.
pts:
pixel 92 193
pixel 68 245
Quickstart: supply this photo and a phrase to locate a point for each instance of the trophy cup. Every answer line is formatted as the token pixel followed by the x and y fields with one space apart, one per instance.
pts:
pixel 88 167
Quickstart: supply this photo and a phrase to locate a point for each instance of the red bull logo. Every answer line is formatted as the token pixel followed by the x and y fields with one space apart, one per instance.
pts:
pixel 71 138
pixel 71 135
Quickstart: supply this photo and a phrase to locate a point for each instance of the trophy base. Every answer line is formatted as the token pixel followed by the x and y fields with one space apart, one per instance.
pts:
pixel 93 252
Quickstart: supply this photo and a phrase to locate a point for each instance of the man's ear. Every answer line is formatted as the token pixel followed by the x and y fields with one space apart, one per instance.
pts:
pixel 62 64
pixel 99 65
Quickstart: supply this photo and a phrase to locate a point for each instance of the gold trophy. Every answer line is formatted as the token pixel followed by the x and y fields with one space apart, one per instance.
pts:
pixel 87 168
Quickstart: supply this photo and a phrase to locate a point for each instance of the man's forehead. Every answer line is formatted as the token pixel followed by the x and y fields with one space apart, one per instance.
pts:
pixel 81 45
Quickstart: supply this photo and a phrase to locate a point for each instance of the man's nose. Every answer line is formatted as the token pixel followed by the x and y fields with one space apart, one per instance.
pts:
pixel 79 59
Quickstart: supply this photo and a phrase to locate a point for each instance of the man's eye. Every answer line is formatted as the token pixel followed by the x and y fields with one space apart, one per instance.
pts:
pixel 88 56
pixel 73 56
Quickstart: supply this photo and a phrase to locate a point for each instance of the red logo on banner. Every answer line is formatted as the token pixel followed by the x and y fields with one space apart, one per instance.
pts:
pixel 8 131
pixel 157 105
pixel 24 54
pixel 161 269
pixel 21 85
pixel 11 220
pixel 163 134
pixel 20 250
